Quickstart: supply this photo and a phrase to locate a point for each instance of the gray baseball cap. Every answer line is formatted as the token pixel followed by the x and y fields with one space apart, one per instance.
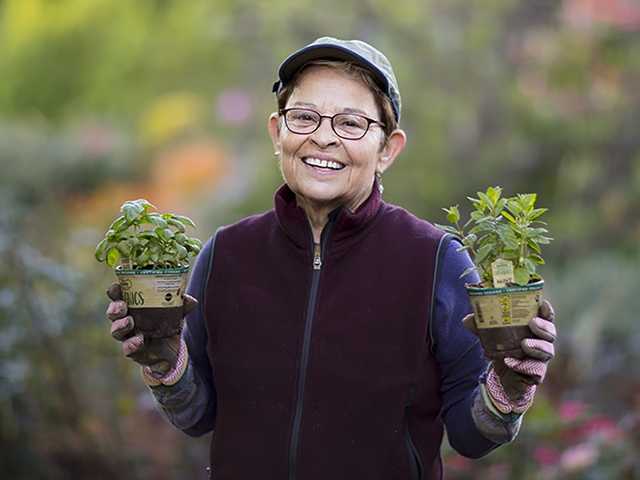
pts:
pixel 355 51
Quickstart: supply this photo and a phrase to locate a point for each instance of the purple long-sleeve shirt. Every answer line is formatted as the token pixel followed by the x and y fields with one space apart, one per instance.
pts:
pixel 191 404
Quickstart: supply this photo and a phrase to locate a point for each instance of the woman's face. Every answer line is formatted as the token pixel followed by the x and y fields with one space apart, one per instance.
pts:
pixel 329 91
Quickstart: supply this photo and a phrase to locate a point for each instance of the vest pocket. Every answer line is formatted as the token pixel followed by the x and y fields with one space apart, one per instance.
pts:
pixel 414 458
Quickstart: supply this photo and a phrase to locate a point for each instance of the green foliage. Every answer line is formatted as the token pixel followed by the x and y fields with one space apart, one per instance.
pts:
pixel 501 228
pixel 143 239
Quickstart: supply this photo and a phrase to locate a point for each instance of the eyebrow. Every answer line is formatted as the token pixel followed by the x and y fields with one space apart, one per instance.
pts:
pixel 344 110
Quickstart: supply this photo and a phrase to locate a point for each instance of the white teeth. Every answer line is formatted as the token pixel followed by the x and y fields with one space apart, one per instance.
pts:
pixel 316 162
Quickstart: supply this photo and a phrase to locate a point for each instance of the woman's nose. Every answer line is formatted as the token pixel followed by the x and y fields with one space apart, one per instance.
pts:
pixel 324 136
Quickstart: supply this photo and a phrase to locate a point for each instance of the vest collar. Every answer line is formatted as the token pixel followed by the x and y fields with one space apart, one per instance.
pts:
pixel 293 219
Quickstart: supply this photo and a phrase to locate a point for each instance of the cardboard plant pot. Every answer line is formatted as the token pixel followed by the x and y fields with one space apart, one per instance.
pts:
pixel 154 299
pixel 502 316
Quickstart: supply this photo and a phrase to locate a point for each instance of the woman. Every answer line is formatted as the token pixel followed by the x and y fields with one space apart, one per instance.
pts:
pixel 328 339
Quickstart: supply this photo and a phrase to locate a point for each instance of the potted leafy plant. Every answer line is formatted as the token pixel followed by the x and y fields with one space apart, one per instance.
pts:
pixel 150 253
pixel 503 236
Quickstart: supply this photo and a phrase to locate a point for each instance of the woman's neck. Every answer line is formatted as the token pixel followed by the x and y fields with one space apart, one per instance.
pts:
pixel 318 213
pixel 318 216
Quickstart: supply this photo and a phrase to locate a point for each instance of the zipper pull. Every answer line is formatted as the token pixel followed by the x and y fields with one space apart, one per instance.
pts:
pixel 317 261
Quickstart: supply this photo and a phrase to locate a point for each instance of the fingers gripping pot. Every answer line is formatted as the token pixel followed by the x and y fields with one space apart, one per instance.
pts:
pixel 502 316
pixel 154 299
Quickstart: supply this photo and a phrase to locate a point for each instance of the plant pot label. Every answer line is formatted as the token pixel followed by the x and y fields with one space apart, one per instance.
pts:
pixel 502 271
pixel 505 307
pixel 153 289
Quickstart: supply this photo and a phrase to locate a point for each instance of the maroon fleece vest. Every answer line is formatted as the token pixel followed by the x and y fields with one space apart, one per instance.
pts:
pixel 321 357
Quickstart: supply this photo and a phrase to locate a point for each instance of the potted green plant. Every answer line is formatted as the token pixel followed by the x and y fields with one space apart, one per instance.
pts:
pixel 150 254
pixel 503 237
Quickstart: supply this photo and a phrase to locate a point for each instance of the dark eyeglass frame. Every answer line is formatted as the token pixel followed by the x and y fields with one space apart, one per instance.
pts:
pixel 284 112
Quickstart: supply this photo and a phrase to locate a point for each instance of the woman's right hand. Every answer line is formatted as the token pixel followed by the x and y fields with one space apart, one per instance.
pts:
pixel 161 358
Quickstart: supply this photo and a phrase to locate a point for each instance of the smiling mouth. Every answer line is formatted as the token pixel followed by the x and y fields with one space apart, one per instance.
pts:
pixel 323 164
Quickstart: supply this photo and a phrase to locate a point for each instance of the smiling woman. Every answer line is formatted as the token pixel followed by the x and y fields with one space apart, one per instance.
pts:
pixel 330 343
pixel 350 108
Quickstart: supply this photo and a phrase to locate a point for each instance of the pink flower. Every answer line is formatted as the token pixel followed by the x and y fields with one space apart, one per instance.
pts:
pixel 571 410
pixel 546 456
pixel 602 427
pixel 234 107
pixel 578 457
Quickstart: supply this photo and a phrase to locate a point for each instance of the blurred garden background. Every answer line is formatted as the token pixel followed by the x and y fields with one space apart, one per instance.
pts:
pixel 103 101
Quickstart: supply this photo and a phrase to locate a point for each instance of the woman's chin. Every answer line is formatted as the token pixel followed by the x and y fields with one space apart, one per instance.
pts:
pixel 321 195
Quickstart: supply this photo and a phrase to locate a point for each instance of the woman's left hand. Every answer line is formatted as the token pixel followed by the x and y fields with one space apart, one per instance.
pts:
pixel 511 382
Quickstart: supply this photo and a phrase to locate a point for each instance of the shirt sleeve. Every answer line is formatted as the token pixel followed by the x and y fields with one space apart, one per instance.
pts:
pixel 190 404
pixel 459 355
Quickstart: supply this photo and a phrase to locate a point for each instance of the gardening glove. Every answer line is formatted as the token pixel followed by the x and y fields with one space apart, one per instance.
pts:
pixel 163 360
pixel 510 383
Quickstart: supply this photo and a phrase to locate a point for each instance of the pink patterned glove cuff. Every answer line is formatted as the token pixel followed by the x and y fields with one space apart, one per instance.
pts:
pixel 501 400
pixel 172 376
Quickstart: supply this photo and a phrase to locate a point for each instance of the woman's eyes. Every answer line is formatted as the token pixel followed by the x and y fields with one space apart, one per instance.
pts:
pixel 305 117
pixel 350 122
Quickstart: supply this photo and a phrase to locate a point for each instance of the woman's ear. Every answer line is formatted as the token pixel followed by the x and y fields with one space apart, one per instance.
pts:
pixel 391 149
pixel 273 126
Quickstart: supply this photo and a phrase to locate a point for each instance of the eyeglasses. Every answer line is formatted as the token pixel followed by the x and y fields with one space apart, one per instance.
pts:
pixel 350 126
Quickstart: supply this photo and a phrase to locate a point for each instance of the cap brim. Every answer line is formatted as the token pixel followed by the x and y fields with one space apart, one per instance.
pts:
pixel 329 52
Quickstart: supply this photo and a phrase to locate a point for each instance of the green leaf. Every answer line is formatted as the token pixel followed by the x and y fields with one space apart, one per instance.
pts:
pixel 145 205
pixel 470 239
pixel 537 213
pixel 482 253
pixel 507 236
pixel 475 202
pixel 124 248
pixel 508 216
pixel 182 252
pixel 477 215
pixel 493 193
pixel 530 265
pixel 113 257
pixel 453 214
pixel 144 256
pixel 533 232
pixel 131 211
pixel 467 271
pixel 521 276
pixel 194 245
pixel 528 201
pixel 119 224
pixel 485 199
pixel 163 233
pixel 101 249
pixel 534 246
pixel 176 224
pixel 448 229
pixel 157 220
pixel 512 254
pixel 185 220
pixel 537 259
pixel 514 207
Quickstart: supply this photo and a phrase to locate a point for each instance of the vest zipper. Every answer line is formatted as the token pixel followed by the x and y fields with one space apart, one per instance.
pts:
pixel 318 253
